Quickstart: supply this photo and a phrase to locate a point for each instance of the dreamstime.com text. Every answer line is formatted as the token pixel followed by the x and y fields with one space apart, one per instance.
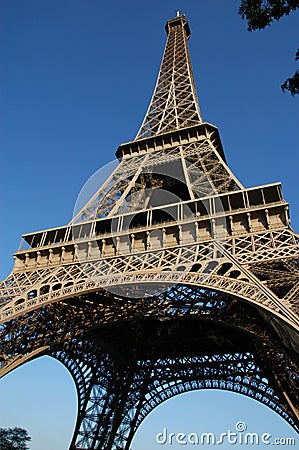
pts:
pixel 239 436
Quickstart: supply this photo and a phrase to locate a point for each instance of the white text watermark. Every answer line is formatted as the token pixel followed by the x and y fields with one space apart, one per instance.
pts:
pixel 238 436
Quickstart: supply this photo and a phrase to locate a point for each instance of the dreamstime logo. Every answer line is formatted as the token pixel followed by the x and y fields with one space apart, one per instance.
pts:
pixel 238 436
pixel 127 215
pixel 241 426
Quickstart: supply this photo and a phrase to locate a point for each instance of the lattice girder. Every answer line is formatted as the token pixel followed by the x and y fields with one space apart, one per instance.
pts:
pixel 160 266
pixel 202 158
pixel 174 104
pixel 84 352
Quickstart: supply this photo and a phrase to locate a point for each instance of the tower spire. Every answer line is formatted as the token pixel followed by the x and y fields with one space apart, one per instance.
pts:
pixel 174 104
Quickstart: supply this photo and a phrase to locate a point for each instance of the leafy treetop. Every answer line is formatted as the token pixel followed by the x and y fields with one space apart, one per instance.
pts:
pixel 260 14
pixel 14 439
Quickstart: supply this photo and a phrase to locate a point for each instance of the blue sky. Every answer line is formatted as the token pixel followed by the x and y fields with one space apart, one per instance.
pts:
pixel 75 81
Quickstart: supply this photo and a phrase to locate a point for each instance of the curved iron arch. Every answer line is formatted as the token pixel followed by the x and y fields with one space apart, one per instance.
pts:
pixel 238 288
pixel 252 385
pixel 186 303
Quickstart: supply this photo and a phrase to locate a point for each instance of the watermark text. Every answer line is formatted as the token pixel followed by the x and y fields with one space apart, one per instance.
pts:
pixel 239 436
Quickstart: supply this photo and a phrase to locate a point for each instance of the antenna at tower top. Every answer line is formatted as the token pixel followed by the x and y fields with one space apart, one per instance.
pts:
pixel 178 13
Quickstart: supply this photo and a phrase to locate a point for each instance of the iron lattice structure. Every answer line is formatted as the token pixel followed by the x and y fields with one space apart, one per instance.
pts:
pixel 173 277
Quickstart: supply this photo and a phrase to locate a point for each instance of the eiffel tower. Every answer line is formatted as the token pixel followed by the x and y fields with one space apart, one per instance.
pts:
pixel 173 277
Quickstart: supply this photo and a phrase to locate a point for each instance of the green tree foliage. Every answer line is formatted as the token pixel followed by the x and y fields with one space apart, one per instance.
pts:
pixel 14 439
pixel 260 14
pixel 292 84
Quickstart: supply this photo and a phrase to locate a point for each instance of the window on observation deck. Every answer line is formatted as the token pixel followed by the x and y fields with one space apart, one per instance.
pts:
pixel 272 194
pixel 255 197
pixel 237 201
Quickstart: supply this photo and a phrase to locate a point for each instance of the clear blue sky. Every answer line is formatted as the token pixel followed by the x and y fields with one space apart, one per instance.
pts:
pixel 75 81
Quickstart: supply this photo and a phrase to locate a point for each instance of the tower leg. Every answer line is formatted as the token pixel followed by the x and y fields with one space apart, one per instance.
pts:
pixel 107 391
pixel 120 375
